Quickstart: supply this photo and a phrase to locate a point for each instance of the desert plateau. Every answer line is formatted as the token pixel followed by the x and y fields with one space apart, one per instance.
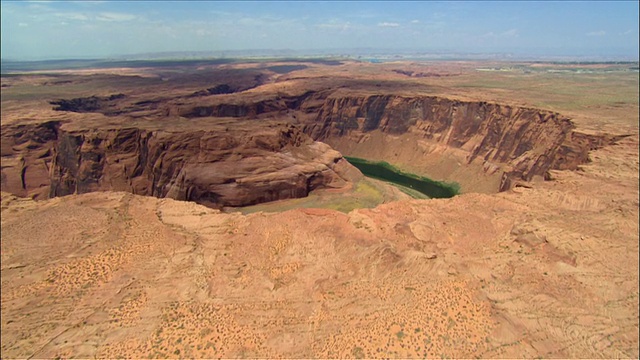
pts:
pixel 208 209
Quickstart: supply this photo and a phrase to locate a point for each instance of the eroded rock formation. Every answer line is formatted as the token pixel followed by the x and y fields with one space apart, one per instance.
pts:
pixel 263 147
pixel 216 166
pixel 27 153
pixel 522 142
pixel 509 143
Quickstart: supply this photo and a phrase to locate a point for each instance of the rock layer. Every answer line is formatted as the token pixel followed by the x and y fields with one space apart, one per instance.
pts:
pixel 217 166
pixel 266 152
pixel 523 142
pixel 508 142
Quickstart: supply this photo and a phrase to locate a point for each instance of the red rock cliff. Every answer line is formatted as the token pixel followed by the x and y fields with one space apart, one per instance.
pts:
pixel 444 138
pixel 522 142
pixel 215 167
pixel 483 146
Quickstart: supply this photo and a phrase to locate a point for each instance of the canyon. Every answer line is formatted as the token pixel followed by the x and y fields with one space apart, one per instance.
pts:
pixel 216 165
pixel 208 211
pixel 485 147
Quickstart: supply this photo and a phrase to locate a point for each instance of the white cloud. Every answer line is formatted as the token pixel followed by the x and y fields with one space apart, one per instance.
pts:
pixel 388 24
pixel 112 16
pixel 39 7
pixel 23 24
pixel 597 33
pixel 510 33
pixel 365 15
pixel 72 16
pixel 248 21
pixel 415 21
pixel 335 25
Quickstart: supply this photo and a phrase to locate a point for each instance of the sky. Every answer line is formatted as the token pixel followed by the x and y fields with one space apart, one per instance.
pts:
pixel 37 30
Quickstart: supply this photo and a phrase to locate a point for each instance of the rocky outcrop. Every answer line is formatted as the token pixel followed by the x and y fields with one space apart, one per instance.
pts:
pixel 215 167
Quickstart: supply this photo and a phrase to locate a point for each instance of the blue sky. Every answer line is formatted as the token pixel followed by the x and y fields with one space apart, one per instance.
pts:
pixel 73 29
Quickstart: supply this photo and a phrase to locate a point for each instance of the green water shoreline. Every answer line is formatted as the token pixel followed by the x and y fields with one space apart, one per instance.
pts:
pixel 382 170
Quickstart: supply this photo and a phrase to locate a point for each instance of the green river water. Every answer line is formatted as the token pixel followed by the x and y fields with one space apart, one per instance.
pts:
pixel 387 172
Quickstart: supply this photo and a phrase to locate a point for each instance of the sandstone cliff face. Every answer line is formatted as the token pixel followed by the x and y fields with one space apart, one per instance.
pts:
pixel 27 154
pixel 527 142
pixel 509 143
pixel 485 147
pixel 212 167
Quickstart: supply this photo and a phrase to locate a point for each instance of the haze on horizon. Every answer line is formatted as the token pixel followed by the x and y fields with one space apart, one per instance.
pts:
pixel 36 30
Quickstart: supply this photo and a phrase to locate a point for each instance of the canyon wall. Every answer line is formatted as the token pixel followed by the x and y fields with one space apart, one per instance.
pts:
pixel 511 143
pixel 263 149
pixel 27 153
pixel 485 147
pixel 213 167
